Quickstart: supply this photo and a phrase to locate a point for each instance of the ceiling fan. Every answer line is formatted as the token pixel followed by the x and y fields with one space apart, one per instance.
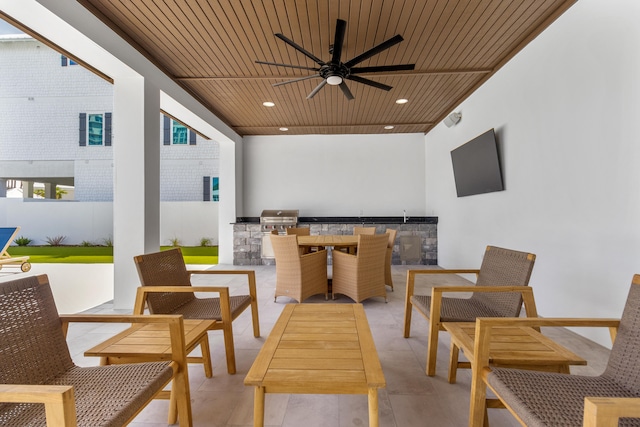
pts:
pixel 336 72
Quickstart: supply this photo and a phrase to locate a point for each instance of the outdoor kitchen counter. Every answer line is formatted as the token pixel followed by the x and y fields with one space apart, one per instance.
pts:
pixel 418 233
pixel 351 220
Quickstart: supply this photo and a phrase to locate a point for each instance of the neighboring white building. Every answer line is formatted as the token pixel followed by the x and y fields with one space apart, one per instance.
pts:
pixel 58 128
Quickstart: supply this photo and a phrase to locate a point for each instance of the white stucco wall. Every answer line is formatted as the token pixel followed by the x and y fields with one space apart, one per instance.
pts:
pixel 566 114
pixel 335 175
pixel 189 222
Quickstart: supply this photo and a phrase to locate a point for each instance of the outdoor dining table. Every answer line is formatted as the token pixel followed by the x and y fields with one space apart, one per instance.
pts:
pixel 322 241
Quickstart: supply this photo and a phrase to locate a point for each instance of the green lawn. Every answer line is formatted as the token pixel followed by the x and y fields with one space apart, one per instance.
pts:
pixel 102 254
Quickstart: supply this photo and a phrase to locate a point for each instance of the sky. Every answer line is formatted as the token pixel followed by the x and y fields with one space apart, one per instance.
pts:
pixel 6 28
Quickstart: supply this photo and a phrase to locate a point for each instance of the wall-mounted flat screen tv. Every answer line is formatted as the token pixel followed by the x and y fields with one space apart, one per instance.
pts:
pixel 476 166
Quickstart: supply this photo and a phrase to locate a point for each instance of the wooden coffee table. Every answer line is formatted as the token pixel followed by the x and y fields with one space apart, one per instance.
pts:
pixel 318 349
pixel 514 347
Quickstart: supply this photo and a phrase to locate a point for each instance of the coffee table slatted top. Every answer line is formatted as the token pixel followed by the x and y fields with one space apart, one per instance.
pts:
pixel 318 348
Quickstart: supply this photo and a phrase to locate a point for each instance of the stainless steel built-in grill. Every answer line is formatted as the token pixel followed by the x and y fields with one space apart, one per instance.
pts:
pixel 278 220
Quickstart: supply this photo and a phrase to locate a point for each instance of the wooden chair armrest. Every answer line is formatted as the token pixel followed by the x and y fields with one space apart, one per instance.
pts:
pixel 526 291
pixel 489 322
pixel 474 288
pixel 411 277
pixel 605 411
pixel 251 277
pixel 225 305
pixel 174 320
pixel 485 324
pixel 120 318
pixel 59 402
pixel 445 271
pixel 152 289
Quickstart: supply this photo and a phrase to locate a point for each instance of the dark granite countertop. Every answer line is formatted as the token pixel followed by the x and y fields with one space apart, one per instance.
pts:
pixel 351 220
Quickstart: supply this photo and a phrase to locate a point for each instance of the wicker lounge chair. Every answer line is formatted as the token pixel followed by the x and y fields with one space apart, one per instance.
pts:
pixel 501 286
pixel 298 276
pixel 166 289
pixel 36 367
pixel 361 276
pixel 560 400
pixel 388 280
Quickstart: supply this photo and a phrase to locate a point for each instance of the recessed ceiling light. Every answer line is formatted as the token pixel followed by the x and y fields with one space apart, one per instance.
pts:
pixel 268 104
pixel 284 129
pixel 388 127
pixel 401 101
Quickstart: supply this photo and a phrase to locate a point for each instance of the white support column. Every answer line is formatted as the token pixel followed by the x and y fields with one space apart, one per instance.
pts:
pixel 136 195
pixel 50 190
pixel 27 189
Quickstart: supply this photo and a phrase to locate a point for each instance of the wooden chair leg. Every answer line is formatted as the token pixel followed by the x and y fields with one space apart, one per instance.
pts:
pixel 229 349
pixel 206 356
pixel 453 363
pixel 254 317
pixel 432 351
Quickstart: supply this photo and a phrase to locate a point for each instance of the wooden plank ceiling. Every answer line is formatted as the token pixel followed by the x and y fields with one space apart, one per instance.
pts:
pixel 210 47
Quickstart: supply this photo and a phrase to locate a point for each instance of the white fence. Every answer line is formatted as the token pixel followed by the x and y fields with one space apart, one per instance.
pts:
pixel 189 222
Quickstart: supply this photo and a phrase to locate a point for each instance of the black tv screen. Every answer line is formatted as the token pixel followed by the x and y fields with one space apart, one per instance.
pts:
pixel 476 166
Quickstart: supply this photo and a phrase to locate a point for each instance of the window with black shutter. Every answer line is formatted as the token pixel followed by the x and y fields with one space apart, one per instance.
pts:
pixel 82 136
pixel 206 189
pixel 107 129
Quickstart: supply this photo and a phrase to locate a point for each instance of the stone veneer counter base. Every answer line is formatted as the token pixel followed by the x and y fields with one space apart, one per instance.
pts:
pixel 416 231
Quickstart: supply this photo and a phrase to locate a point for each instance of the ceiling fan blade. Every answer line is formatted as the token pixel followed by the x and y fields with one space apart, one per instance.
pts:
pixel 317 89
pixel 295 80
pixel 381 68
pixel 374 50
pixel 369 82
pixel 288 66
pixel 299 48
pixel 341 26
pixel 346 91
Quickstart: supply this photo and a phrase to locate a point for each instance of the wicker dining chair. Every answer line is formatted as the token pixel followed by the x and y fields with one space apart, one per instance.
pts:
pixel 166 289
pixel 298 276
pixel 364 230
pixel 301 231
pixel 361 276
pixel 388 280
pixel 36 367
pixel 548 399
pixel 356 232
pixel 500 289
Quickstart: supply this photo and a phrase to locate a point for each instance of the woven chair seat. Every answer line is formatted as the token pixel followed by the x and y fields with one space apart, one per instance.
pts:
pixel 500 268
pixel 209 308
pixel 563 400
pixel 455 309
pixel 543 399
pixel 34 352
pixel 167 268
pixel 128 388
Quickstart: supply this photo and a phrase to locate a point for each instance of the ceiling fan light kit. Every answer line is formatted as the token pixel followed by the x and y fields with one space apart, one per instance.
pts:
pixel 335 72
